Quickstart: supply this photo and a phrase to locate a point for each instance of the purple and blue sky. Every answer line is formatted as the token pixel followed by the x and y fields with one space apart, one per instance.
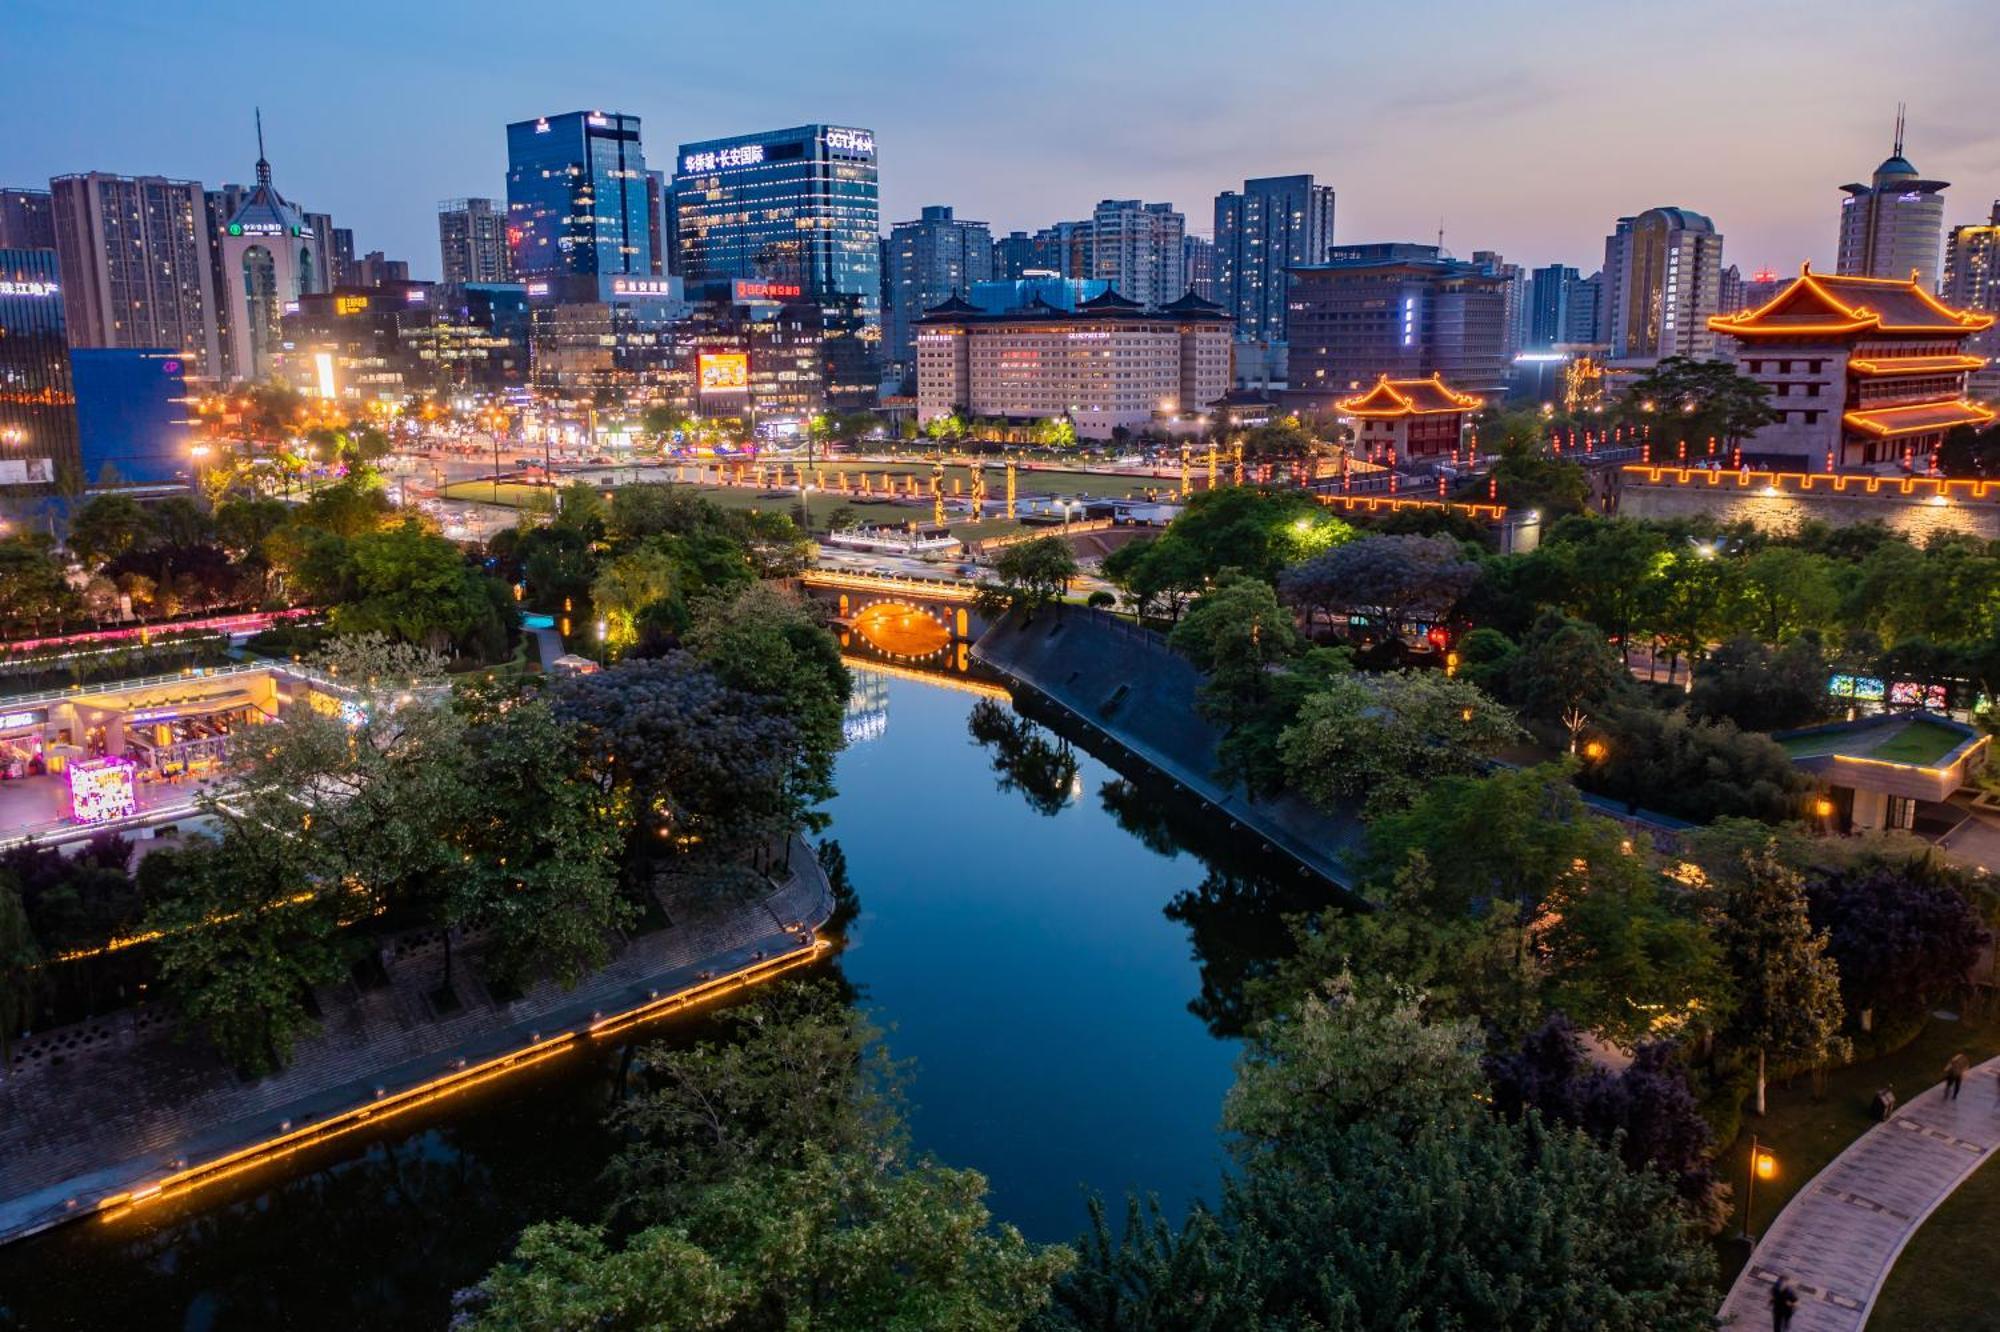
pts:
pixel 1526 128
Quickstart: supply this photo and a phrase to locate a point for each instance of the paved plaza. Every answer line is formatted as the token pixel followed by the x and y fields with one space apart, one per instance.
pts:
pixel 1838 1237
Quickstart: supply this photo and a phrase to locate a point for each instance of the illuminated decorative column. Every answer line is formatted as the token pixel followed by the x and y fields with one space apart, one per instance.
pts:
pixel 978 470
pixel 937 493
pixel 1212 454
pixel 1010 490
pixel 1237 450
pixel 1187 482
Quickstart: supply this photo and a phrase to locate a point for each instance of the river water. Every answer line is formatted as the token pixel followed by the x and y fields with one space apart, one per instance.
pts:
pixel 1070 1035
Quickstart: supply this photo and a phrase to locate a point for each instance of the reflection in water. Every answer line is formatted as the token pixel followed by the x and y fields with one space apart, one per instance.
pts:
pixel 1045 774
pixel 867 714
pixel 902 631
pixel 1017 950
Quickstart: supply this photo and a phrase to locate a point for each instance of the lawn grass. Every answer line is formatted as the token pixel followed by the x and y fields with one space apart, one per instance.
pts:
pixel 1806 1133
pixel 1920 742
pixel 1945 1277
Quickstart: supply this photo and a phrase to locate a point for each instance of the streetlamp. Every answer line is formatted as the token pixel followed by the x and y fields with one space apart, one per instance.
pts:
pixel 1761 1165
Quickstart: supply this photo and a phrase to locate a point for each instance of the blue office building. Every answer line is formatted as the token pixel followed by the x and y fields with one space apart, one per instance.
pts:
pixel 131 415
pixel 793 206
pixel 577 202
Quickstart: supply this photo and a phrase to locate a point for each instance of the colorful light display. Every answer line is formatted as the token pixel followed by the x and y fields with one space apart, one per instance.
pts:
pixel 724 372
pixel 101 790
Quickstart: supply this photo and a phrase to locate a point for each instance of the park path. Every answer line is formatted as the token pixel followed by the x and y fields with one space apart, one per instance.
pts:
pixel 1839 1235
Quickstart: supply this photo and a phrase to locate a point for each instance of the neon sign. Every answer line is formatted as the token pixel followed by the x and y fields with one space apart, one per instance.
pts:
pixel 29 288
pixel 851 140
pixel 726 372
pixel 750 154
pixel 745 289
pixel 642 287
pixel 347 305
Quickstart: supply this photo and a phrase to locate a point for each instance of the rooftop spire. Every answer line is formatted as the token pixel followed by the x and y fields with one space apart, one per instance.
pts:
pixel 264 167
pixel 1901 107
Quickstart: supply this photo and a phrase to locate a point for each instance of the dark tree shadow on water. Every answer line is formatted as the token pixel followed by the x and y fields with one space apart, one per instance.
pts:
pixel 1043 772
pixel 1237 926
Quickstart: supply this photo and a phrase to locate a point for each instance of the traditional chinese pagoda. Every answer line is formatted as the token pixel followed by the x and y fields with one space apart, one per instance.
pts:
pixel 1416 418
pixel 1862 372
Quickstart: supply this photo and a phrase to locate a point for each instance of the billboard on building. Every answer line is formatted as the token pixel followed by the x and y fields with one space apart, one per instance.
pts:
pixel 725 372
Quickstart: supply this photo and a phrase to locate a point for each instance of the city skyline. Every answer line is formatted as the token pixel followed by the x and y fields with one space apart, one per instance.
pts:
pixel 1520 136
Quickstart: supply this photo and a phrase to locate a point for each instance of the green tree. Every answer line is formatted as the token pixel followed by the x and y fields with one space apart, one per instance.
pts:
pixel 838 1243
pixel 772 644
pixel 414 585
pixel 633 589
pixel 1684 400
pixel 1033 574
pixel 34 595
pixel 546 886
pixel 1392 581
pixel 1057 432
pixel 1565 668
pixel 1525 476
pixel 1284 440
pixel 1787 987
pixel 1746 683
pixel 243 938
pixel 1235 635
pixel 1784 591
pixel 106 527
pixel 1381 739
pixel 1602 570
pixel 1690 603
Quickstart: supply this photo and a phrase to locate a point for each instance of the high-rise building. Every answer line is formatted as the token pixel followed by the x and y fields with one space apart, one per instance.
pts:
pixel 1515 317
pixel 1972 282
pixel 1890 227
pixel 27 220
pixel 659 226
pixel 340 256
pixel 472 241
pixel 1584 327
pixel 376 269
pixel 929 261
pixel 1068 249
pixel 797 206
pixel 1014 254
pixel 1729 291
pixel 1276 224
pixel 1405 311
pixel 1550 291
pixel 270 258
pixel 576 201
pixel 1198 266
pixel 38 440
pixel 1136 247
pixel 1662 283
pixel 136 268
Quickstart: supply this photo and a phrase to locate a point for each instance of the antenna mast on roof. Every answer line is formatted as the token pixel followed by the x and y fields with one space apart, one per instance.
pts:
pixel 263 167
pixel 1901 107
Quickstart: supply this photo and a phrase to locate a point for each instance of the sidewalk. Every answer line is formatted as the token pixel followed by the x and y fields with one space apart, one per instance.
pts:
pixel 1840 1234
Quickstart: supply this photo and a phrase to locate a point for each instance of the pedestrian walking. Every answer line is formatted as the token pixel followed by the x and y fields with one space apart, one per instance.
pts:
pixel 1783 1301
pixel 1954 1075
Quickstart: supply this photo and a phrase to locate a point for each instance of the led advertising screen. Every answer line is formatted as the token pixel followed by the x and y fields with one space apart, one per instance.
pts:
pixel 724 372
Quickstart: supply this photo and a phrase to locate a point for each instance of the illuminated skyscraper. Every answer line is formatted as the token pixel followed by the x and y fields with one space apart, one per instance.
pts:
pixel 1662 282
pixel 472 241
pixel 27 220
pixel 1136 247
pixel 38 440
pixel 576 200
pixel 798 206
pixel 135 264
pixel 930 260
pixel 1891 227
pixel 1276 224
pixel 270 258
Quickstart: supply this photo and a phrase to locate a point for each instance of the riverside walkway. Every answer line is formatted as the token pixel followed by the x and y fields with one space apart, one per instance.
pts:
pixel 1126 683
pixel 115 1113
pixel 1839 1235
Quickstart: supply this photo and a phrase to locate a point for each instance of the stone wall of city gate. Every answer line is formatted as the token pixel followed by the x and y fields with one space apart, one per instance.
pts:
pixel 1778 502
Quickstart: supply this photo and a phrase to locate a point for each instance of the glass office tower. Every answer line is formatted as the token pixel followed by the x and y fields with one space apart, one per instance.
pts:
pixel 794 206
pixel 38 439
pixel 576 198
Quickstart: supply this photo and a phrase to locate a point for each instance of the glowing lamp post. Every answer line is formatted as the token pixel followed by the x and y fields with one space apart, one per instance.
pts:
pixel 1761 1165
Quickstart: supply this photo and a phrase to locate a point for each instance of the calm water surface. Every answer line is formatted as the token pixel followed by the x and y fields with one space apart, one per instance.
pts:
pixel 1063 1026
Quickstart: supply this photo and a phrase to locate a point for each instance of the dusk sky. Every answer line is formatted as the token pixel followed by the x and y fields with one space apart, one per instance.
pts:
pixel 1526 128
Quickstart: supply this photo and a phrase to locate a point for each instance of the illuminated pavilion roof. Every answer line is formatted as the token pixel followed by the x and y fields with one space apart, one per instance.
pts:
pixel 1409 397
pixel 1919 418
pixel 1817 304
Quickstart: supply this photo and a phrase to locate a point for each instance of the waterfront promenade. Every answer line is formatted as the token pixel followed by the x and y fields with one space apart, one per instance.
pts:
pixel 1129 685
pixel 96 1116
pixel 1839 1235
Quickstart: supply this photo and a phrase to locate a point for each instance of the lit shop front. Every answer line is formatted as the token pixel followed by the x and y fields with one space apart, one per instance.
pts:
pixel 178 731
pixel 24 749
